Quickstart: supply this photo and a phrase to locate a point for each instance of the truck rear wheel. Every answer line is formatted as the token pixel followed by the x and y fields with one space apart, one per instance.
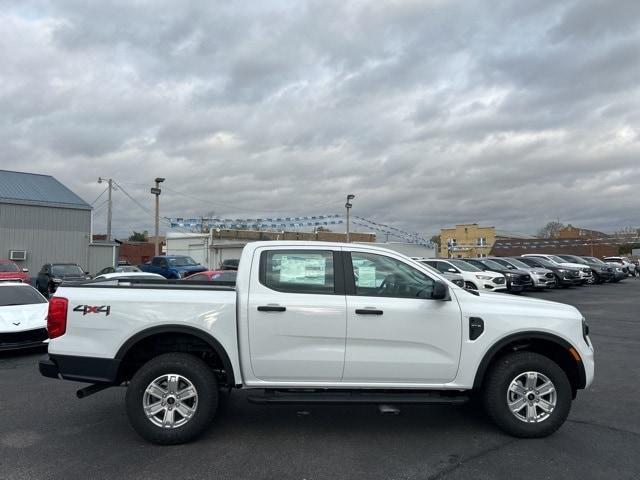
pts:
pixel 527 395
pixel 172 398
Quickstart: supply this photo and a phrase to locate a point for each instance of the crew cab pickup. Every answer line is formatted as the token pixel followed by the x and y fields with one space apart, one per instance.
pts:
pixel 313 322
pixel 172 266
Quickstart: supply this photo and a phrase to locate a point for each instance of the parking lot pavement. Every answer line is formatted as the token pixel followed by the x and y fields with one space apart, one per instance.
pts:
pixel 45 432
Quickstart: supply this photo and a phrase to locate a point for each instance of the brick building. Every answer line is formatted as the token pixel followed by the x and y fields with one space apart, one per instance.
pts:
pixel 510 247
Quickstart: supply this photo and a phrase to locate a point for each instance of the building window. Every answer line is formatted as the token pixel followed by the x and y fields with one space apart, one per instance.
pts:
pixel 481 241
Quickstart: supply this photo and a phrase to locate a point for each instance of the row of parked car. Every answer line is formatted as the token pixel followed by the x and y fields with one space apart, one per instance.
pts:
pixel 531 271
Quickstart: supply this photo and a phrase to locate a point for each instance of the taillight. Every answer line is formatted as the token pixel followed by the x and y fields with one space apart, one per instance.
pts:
pixel 57 317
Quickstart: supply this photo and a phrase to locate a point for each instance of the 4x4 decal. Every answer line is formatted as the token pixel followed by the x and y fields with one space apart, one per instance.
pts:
pixel 106 309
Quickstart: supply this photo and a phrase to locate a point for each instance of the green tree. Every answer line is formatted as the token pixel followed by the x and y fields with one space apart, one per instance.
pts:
pixel 137 237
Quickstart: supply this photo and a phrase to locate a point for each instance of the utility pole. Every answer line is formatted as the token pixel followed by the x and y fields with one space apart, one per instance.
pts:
pixel 109 205
pixel 156 191
pixel 348 206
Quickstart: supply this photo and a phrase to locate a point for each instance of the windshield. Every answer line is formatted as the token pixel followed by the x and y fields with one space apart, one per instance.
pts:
pixel 464 266
pixel 544 262
pixel 517 263
pixel 557 259
pixel 573 259
pixel 9 267
pixel 595 260
pixel 181 261
pixel 67 270
pixel 492 264
pixel 19 295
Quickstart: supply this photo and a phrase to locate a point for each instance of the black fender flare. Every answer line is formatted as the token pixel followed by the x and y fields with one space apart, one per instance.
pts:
pixel 491 354
pixel 196 332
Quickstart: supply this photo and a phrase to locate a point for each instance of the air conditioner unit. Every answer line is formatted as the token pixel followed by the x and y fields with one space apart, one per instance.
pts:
pixel 20 255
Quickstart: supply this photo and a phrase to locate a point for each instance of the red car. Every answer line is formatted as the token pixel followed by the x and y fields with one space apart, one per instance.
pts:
pixel 10 272
pixel 215 276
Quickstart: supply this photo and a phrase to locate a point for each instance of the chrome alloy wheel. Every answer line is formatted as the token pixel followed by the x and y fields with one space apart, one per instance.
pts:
pixel 170 401
pixel 531 397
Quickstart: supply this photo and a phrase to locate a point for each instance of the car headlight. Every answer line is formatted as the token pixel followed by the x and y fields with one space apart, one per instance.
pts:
pixel 483 277
pixel 562 270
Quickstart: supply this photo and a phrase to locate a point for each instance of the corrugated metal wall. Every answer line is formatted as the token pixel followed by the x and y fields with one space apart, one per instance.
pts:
pixel 48 234
pixel 102 255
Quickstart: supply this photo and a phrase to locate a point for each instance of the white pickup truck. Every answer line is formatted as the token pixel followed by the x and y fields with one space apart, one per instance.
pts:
pixel 311 322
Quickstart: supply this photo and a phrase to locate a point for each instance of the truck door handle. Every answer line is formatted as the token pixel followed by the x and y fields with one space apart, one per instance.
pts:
pixel 368 311
pixel 271 308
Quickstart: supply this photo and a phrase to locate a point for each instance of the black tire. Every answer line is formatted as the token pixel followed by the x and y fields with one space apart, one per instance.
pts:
pixel 495 390
pixel 188 366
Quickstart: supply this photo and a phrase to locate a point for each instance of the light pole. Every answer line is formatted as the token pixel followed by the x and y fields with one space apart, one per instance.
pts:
pixel 348 206
pixel 109 210
pixel 156 191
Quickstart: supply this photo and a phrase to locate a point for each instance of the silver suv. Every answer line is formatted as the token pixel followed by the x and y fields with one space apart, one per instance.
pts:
pixel 542 278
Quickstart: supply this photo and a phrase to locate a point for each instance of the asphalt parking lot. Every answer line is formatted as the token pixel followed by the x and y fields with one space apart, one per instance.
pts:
pixel 45 432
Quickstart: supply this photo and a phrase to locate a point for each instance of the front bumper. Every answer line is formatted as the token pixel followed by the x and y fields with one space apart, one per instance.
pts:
pixel 80 369
pixel 543 281
pixel 27 339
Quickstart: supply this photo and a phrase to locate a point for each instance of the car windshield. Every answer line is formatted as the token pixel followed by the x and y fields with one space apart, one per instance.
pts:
pixel 9 267
pixel 595 260
pixel 464 266
pixel 544 262
pixel 490 264
pixel 19 295
pixel 517 263
pixel 181 261
pixel 66 270
pixel 504 263
pixel 557 259
pixel 573 259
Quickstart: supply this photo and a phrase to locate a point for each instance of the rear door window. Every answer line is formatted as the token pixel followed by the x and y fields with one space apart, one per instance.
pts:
pixel 298 271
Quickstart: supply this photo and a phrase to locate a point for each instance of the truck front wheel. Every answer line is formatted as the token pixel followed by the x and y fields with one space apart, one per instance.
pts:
pixel 527 395
pixel 172 398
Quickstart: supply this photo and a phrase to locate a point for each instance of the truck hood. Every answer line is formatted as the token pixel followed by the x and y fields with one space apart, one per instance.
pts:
pixel 517 305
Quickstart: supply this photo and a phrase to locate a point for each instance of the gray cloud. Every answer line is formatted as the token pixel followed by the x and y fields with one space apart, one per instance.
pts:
pixel 431 112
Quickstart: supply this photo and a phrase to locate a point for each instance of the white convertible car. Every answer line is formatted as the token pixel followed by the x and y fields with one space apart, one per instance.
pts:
pixel 23 316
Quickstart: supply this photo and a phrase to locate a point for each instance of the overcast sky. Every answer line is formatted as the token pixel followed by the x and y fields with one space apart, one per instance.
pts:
pixel 431 112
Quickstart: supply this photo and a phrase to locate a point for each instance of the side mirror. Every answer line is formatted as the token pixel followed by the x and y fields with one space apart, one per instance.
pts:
pixel 440 291
pixel 25 270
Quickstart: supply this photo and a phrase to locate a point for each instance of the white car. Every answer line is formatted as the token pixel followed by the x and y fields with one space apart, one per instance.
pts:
pixel 586 276
pixel 130 275
pixel 474 278
pixel 23 316
pixel 624 263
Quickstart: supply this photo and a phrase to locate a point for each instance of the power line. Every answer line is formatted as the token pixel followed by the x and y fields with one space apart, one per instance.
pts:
pixel 98 197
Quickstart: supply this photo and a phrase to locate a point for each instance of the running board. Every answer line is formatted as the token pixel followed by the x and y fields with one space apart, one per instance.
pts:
pixel 304 397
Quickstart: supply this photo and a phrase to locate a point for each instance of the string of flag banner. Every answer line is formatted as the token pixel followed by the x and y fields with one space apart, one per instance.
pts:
pixel 257 223
pixel 393 231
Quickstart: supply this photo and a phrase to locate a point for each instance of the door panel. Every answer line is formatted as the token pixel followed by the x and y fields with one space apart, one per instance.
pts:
pixel 300 335
pixel 413 340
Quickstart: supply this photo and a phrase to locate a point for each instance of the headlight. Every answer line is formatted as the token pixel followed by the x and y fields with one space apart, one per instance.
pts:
pixel 484 277
pixel 562 270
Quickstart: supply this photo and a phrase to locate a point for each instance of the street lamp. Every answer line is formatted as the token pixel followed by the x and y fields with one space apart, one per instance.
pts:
pixel 348 206
pixel 156 191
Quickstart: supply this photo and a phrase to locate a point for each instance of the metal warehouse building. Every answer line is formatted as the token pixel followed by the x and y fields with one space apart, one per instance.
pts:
pixel 42 221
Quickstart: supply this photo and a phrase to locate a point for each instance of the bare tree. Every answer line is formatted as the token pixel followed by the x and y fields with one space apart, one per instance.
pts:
pixel 550 230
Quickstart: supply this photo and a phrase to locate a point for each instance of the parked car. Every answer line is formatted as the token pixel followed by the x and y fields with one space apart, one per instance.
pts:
pixel 10 272
pixel 585 272
pixel 230 264
pixel 51 275
pixel 565 276
pixel 23 316
pixel 173 266
pixel 542 277
pixel 316 322
pixel 119 269
pixel 517 280
pixel 129 275
pixel 601 272
pixel 627 265
pixel 224 276
pixel 474 278
pixel 618 272
pixel 455 278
